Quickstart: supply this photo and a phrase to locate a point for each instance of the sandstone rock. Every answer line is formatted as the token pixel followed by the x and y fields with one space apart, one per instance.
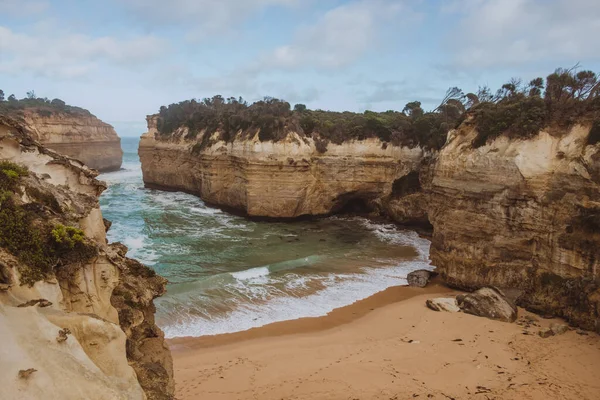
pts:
pixel 106 348
pixel 488 302
pixel 514 214
pixel 559 329
pixel 83 137
pixel 258 179
pixel 546 333
pixel 419 278
pixel 443 304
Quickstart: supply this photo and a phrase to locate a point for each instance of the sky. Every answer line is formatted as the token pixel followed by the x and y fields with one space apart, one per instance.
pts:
pixel 123 59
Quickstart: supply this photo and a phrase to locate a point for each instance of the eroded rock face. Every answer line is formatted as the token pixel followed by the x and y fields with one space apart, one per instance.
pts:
pixel 113 349
pixel 285 179
pixel 85 138
pixel 521 214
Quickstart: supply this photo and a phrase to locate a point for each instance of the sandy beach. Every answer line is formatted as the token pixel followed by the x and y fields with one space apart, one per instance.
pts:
pixel 390 346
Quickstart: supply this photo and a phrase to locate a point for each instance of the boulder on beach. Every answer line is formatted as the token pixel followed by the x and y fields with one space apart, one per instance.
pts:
pixel 419 278
pixel 443 304
pixel 488 302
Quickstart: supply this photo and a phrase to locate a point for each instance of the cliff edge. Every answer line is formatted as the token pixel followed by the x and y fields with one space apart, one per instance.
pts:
pixel 522 214
pixel 76 315
pixel 287 178
pixel 83 137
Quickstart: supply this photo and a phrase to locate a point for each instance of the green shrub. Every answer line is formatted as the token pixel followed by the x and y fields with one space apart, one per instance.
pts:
pixel 67 236
pixel 10 174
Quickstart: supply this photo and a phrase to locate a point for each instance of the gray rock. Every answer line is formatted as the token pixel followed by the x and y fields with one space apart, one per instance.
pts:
pixel 546 333
pixel 559 329
pixel 419 278
pixel 443 304
pixel 488 302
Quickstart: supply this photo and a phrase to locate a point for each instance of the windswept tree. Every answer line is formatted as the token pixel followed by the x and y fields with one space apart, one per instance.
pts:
pixel 413 109
pixel 535 87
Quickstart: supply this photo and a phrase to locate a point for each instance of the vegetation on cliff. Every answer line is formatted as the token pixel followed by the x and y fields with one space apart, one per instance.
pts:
pixel 521 110
pixel 43 106
pixel 39 242
pixel 517 109
pixel 273 119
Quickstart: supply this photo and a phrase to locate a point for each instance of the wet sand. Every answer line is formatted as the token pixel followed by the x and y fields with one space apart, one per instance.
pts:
pixel 389 346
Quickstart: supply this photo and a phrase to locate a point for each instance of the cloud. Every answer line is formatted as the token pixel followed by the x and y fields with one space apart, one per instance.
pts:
pixel 22 7
pixel 290 92
pixel 338 38
pixel 71 55
pixel 204 16
pixel 497 33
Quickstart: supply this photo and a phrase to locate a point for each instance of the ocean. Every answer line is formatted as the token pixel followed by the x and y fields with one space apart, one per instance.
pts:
pixel 228 274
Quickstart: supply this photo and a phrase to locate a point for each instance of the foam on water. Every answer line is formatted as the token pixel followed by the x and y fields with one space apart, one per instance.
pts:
pixel 251 273
pixel 339 290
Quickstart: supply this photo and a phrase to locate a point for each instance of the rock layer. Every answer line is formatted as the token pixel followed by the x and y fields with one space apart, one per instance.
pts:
pixel 110 347
pixel 83 137
pixel 284 179
pixel 524 215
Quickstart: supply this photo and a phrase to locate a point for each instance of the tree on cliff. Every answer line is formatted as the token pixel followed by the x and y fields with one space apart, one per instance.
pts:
pixel 300 107
pixel 1 95
pixel 413 109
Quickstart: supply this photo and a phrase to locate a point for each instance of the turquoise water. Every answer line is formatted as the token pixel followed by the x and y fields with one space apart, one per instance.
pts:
pixel 228 274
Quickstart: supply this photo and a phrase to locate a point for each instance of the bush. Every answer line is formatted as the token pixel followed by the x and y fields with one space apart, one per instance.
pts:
pixel 273 120
pixel 67 237
pixel 37 244
pixel 10 173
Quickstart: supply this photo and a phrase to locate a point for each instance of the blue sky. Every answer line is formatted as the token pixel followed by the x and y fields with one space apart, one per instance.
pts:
pixel 123 59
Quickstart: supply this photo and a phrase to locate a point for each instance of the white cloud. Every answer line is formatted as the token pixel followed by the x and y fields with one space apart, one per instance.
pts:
pixel 71 55
pixel 515 32
pixel 337 38
pixel 205 16
pixel 22 7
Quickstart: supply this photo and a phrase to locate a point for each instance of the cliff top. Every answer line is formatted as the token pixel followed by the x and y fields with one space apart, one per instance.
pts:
pixel 517 109
pixel 42 106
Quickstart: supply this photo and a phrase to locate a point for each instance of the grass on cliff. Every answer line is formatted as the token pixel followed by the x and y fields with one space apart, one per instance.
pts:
pixel 518 110
pixel 39 244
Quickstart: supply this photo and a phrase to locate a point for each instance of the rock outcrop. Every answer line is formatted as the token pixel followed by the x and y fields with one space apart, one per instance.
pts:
pixel 488 302
pixel 284 179
pixel 83 137
pixel 521 214
pixel 74 311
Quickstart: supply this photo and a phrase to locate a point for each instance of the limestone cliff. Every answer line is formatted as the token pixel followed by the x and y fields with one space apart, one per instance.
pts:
pixel 83 137
pixel 522 214
pixel 284 179
pixel 76 315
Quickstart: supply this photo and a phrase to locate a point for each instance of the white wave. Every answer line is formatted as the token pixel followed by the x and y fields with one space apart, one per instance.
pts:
pixel 339 290
pixel 251 273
